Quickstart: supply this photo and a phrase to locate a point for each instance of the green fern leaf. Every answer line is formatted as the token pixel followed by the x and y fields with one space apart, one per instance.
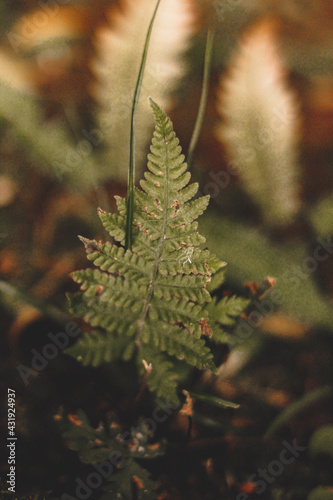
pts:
pixel 108 445
pixel 162 382
pixel 224 314
pixel 154 295
pixel 96 348
pixel 229 308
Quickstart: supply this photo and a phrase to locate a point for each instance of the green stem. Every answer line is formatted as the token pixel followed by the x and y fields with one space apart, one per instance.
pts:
pixel 16 296
pixel 131 169
pixel 297 407
pixel 159 248
pixel 204 95
pixel 214 400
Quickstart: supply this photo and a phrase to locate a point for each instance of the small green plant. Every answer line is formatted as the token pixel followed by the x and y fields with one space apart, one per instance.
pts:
pixel 116 456
pixel 151 303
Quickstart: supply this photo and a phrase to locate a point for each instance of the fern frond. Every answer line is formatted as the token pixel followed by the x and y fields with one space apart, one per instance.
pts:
pixel 261 126
pixel 118 64
pixel 108 444
pixel 155 294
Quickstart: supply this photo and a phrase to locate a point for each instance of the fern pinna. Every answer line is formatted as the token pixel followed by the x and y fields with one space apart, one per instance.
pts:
pixel 150 301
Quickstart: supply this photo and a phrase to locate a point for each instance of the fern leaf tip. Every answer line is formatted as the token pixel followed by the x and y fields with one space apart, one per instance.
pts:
pixel 156 109
pixel 90 245
pixel 152 102
pixel 83 239
pixel 214 369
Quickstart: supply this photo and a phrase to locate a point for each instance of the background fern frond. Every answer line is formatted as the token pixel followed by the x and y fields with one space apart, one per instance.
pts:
pixel 261 125
pixel 118 64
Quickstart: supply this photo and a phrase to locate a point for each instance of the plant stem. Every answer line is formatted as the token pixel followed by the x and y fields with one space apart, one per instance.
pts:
pixel 297 407
pixel 16 296
pixel 131 169
pixel 213 400
pixel 204 95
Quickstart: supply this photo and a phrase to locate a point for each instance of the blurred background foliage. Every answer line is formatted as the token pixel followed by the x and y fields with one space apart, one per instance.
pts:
pixel 265 153
pixel 67 76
